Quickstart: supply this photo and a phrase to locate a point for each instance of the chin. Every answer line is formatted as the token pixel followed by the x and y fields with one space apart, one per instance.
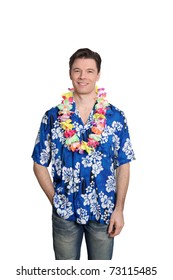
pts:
pixel 80 90
pixel 83 90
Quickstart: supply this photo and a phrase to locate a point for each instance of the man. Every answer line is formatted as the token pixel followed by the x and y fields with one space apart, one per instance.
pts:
pixel 87 141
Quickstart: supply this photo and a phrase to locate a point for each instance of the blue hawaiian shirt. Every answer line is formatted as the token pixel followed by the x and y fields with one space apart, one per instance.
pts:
pixel 85 184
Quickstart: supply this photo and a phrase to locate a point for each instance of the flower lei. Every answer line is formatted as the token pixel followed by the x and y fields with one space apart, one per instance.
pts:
pixel 71 138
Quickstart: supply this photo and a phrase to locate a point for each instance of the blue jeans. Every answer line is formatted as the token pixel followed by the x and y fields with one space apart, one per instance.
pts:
pixel 67 240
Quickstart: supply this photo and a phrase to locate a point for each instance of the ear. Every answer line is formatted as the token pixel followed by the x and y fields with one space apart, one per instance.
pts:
pixel 69 74
pixel 98 76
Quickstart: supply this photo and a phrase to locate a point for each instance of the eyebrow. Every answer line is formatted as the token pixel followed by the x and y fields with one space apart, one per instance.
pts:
pixel 77 68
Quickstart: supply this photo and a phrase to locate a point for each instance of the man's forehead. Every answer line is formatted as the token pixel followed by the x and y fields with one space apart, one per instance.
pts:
pixel 84 62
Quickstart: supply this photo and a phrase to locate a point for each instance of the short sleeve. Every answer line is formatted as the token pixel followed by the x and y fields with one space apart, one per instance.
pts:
pixel 124 153
pixel 42 151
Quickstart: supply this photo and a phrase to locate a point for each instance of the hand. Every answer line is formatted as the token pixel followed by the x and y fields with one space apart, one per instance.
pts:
pixel 116 223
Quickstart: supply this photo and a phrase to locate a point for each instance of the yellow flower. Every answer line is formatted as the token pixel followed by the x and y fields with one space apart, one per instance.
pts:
pixel 85 147
pixel 68 94
pixel 67 124
pixel 99 116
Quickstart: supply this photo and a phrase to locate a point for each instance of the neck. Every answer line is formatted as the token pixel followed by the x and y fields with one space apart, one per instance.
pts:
pixel 85 99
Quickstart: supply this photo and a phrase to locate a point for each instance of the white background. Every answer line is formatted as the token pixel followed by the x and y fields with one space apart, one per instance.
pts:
pixel 135 41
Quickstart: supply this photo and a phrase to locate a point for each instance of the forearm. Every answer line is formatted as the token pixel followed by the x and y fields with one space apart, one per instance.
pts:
pixel 44 179
pixel 122 182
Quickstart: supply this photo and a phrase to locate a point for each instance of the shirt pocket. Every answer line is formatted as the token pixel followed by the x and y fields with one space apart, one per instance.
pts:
pixel 107 148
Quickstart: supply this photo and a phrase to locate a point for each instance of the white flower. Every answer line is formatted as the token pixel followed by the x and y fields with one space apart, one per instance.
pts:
pixel 127 149
pixel 67 174
pixel 58 133
pixel 106 202
pixel 58 166
pixel 65 213
pixel 56 124
pixel 45 153
pixel 89 198
pixel 55 132
pixel 96 156
pixel 86 199
pixel 79 128
pixel 54 152
pixel 76 173
pixel 104 140
pixel 63 206
pixel 44 156
pixel 87 162
pixel 116 140
pixel 83 216
pixel 93 196
pixel 72 187
pixel 105 216
pixel 44 119
pixel 110 184
pixel 107 131
pixel 97 168
pixel 117 126
pixel 89 188
pixel 95 208
pixel 71 176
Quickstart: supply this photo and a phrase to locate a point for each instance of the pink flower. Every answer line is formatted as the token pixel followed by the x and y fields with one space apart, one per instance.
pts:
pixel 69 133
pixel 92 143
pixel 101 89
pixel 70 99
pixel 101 123
pixel 101 111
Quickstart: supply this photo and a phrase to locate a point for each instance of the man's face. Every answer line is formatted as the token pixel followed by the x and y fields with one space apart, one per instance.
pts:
pixel 84 75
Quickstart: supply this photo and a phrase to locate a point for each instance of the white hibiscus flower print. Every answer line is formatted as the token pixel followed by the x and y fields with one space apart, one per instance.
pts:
pixel 45 153
pixel 127 149
pixel 83 216
pixel 106 202
pixel 63 206
pixel 87 161
pixel 116 141
pixel 117 126
pixel 97 168
pixel 45 119
pixel 44 157
pixel 110 184
pixel 67 174
pixel 96 210
pixel 89 198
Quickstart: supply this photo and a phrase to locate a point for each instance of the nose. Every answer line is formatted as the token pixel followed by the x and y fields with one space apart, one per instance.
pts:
pixel 82 75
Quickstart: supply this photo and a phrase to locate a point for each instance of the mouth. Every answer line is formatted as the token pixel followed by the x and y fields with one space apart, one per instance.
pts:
pixel 82 84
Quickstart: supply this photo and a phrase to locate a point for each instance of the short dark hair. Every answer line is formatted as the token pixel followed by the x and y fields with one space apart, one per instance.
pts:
pixel 86 53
